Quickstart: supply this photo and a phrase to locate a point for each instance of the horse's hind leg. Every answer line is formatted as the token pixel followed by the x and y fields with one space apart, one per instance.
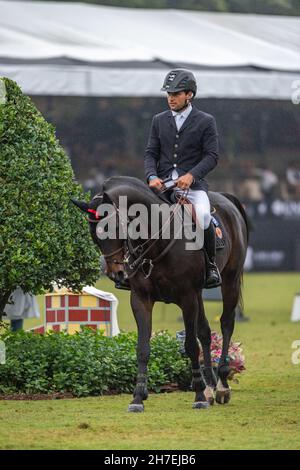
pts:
pixel 204 335
pixel 230 291
pixel 190 314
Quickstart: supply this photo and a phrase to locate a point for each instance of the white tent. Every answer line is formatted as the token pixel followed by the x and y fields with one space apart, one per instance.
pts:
pixel 86 50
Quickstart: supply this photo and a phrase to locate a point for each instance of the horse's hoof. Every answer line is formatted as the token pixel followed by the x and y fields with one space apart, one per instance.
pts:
pixel 223 393
pixel 209 395
pixel 201 405
pixel 134 408
pixel 223 396
pixel 211 401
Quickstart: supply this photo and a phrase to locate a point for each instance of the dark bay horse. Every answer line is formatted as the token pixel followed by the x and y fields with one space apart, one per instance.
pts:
pixel 163 270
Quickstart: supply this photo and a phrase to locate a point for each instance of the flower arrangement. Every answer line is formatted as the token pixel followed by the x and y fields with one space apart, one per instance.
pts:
pixel 235 352
pixel 237 359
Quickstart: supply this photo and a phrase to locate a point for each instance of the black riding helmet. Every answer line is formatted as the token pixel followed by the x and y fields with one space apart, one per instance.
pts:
pixel 180 80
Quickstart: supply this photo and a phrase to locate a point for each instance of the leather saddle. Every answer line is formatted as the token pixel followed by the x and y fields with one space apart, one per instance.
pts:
pixel 169 196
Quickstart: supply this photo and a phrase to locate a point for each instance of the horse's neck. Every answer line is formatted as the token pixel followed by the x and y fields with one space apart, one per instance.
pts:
pixel 134 196
pixel 147 199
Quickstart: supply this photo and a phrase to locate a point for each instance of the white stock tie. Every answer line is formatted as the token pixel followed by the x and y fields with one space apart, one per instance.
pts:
pixel 179 121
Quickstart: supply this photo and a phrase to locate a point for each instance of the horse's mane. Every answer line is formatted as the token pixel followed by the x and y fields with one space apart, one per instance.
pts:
pixel 116 182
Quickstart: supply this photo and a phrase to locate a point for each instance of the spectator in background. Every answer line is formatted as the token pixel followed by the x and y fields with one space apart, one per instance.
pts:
pixel 249 189
pixel 293 179
pixel 19 307
pixel 268 182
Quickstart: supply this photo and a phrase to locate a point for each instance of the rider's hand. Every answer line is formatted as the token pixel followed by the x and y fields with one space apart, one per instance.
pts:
pixel 185 181
pixel 156 183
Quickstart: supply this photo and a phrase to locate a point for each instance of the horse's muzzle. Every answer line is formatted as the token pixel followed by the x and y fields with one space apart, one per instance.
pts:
pixel 119 276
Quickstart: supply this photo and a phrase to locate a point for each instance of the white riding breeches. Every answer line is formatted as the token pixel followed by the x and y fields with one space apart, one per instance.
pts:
pixel 200 201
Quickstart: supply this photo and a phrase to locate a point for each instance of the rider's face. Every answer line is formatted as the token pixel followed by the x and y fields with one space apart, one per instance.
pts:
pixel 178 100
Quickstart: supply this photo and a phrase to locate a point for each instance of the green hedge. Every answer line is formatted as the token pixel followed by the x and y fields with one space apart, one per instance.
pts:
pixel 44 237
pixel 87 363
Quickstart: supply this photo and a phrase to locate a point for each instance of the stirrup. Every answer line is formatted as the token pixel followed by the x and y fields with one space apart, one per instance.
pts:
pixel 213 285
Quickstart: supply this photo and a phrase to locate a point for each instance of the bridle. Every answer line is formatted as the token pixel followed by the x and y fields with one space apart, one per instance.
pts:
pixel 138 253
pixel 96 220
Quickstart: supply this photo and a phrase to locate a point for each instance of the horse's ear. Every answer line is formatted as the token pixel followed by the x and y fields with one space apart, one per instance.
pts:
pixel 84 206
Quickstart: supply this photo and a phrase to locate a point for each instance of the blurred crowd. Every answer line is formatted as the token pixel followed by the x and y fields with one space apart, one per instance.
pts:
pixel 251 183
pixel 260 183
pixel 259 142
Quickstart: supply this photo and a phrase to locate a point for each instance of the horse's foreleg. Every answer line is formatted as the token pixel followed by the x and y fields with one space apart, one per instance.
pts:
pixel 142 310
pixel 204 335
pixel 190 314
pixel 230 291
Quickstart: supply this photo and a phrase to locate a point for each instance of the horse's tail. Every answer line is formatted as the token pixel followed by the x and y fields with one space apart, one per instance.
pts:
pixel 241 208
pixel 240 287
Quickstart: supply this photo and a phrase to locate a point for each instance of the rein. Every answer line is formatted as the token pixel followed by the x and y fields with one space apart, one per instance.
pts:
pixel 141 261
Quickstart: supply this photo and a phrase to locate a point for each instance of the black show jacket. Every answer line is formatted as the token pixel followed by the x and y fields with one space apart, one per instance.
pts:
pixel 193 149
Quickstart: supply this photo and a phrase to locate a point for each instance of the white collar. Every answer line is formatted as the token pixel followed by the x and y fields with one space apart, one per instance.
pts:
pixel 183 113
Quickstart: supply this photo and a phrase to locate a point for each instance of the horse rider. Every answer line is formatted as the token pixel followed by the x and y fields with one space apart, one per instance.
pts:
pixel 183 145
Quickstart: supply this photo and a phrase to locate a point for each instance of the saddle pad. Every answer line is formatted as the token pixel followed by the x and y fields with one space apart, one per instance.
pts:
pixel 220 234
pixel 171 198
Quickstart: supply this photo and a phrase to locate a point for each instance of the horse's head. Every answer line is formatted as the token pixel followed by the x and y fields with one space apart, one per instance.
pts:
pixel 109 219
pixel 105 228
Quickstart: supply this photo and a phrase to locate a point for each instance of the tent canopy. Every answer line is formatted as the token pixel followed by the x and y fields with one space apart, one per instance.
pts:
pixel 83 49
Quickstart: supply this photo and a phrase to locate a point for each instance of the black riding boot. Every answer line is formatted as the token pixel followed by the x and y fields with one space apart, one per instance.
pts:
pixel 213 277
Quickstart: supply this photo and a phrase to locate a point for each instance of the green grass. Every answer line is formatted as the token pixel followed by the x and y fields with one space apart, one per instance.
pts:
pixel 264 412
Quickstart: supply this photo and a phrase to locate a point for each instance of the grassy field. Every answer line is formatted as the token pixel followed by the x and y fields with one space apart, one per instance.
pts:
pixel 264 412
